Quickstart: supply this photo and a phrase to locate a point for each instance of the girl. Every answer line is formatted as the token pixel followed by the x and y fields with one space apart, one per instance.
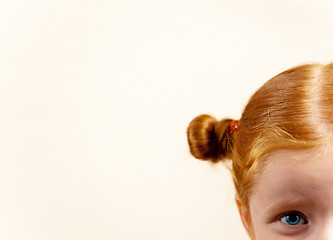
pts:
pixel 282 155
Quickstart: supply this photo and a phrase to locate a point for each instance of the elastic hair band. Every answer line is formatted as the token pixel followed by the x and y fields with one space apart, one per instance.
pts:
pixel 233 126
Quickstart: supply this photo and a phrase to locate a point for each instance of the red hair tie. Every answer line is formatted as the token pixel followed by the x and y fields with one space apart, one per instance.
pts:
pixel 233 126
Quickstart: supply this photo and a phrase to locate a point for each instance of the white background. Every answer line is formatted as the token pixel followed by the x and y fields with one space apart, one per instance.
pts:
pixel 96 96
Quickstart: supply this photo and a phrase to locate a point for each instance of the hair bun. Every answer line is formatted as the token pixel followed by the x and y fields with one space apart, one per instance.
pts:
pixel 209 139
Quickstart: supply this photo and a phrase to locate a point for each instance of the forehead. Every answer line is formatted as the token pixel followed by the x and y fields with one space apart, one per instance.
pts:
pixel 295 174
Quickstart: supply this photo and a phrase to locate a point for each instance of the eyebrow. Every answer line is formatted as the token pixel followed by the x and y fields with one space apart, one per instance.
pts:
pixel 288 202
pixel 287 205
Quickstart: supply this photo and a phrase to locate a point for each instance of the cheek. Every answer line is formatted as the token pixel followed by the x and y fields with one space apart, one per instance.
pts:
pixel 260 228
pixel 252 221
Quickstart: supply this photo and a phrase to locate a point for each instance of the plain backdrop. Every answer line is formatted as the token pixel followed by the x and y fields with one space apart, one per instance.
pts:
pixel 96 96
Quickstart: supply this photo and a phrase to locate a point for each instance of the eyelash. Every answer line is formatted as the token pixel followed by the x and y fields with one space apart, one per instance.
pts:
pixel 285 218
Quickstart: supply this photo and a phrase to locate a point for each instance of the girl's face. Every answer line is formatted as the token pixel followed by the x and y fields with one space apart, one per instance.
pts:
pixel 293 199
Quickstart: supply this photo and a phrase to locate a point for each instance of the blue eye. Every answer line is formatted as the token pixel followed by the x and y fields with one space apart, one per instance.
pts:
pixel 293 218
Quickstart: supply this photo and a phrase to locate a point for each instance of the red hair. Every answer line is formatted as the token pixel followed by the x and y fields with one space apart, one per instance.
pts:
pixel 293 110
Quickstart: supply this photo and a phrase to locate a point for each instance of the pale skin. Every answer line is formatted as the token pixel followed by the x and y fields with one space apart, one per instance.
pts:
pixel 293 198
